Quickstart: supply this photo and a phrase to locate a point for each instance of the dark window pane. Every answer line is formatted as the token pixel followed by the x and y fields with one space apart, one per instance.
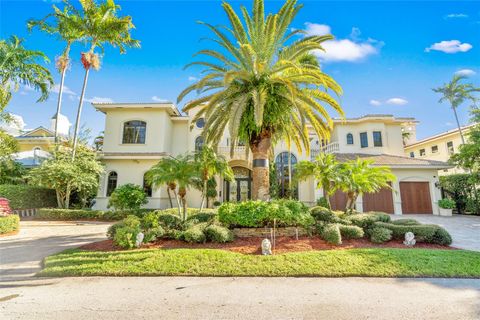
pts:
pixel 377 139
pixel 412 154
pixel 134 132
pixel 147 187
pixel 349 138
pixel 200 123
pixel 199 143
pixel 363 140
pixel 111 183
pixel 281 166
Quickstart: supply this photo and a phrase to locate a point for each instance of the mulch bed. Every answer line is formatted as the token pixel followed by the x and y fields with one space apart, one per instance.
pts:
pixel 11 233
pixel 252 245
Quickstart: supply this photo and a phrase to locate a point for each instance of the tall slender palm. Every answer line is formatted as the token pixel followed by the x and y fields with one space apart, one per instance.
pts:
pixel 67 25
pixel 359 176
pixel 19 65
pixel 260 88
pixel 210 164
pixel 180 171
pixel 457 93
pixel 325 170
pixel 101 25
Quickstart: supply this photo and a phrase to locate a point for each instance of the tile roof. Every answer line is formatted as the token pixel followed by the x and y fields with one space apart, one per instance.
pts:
pixel 394 160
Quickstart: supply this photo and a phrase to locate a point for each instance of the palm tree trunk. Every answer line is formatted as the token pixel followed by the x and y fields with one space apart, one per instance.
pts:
pixel 169 197
pixel 458 125
pixel 179 207
pixel 79 113
pixel 204 195
pixel 260 146
pixel 59 103
pixel 350 201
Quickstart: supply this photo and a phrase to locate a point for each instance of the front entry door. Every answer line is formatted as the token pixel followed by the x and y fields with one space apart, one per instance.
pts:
pixel 238 190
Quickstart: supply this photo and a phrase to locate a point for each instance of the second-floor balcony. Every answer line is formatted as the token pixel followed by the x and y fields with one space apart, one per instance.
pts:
pixel 239 152
pixel 329 148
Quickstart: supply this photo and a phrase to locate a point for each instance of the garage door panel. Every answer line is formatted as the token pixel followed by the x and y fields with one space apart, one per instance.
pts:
pixel 416 197
pixel 338 201
pixel 380 201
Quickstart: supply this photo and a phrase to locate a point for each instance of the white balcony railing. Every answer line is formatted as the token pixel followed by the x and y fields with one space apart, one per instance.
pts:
pixel 329 148
pixel 239 153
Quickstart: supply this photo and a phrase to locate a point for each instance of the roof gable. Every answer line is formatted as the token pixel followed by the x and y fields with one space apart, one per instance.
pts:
pixel 37 132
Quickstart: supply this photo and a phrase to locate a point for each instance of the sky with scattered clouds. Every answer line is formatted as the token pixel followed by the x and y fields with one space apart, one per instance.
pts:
pixel 387 55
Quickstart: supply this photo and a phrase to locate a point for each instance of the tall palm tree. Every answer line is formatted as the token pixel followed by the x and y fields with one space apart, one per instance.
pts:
pixel 457 93
pixel 101 25
pixel 325 170
pixel 180 171
pixel 19 65
pixel 260 89
pixel 67 25
pixel 359 176
pixel 209 165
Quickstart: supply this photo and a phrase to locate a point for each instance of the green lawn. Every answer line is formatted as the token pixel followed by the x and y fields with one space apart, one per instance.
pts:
pixel 210 262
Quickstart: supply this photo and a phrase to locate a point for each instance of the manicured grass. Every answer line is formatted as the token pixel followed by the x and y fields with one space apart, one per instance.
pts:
pixel 211 262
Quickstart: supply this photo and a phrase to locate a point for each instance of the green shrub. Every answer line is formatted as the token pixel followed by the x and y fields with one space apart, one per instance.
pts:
pixel 150 221
pixel 125 237
pixel 322 202
pixel 423 233
pixel 218 234
pixel 9 223
pixel 209 217
pixel 190 211
pixel 195 234
pixel 28 197
pixel 406 222
pixel 169 221
pixel 331 234
pixel 351 232
pixel 442 237
pixel 446 203
pixel 86 214
pixel 128 197
pixel 380 235
pixel 113 229
pixel 153 234
pixel 367 220
pixel 323 214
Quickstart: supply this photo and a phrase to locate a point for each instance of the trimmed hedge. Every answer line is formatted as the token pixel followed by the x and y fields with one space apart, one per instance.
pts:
pixel 326 215
pixel 86 214
pixel 380 235
pixel 367 220
pixel 28 197
pixel 428 233
pixel 9 223
pixel 195 234
pixel 351 232
pixel 406 222
pixel 331 234
pixel 218 234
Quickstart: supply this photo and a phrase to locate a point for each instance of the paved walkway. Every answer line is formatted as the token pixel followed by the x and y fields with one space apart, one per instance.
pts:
pixel 21 255
pixel 465 230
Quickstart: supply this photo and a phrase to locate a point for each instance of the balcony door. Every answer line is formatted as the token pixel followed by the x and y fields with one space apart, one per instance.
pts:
pixel 239 189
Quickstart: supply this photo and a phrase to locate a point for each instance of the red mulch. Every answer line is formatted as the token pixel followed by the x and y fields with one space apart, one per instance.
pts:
pixel 11 233
pixel 252 245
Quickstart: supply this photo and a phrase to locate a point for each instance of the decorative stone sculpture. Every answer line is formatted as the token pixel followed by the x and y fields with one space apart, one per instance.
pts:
pixel 266 247
pixel 409 239
pixel 139 239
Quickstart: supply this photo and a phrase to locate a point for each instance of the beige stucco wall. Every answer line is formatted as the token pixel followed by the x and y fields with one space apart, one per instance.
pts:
pixel 29 145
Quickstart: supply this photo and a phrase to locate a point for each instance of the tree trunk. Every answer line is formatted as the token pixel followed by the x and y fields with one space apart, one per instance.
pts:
pixel 350 201
pixel 179 207
pixel 59 103
pixel 458 125
pixel 204 194
pixel 169 197
pixel 182 192
pixel 260 146
pixel 67 197
pixel 59 199
pixel 79 113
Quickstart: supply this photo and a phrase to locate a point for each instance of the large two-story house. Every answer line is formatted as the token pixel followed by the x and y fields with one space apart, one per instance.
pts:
pixel 138 135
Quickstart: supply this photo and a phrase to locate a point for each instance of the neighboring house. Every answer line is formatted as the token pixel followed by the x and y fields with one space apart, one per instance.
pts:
pixel 34 146
pixel 138 135
pixel 439 147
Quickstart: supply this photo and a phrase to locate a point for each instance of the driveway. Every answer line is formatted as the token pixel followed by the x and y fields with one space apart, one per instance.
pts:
pixel 465 230
pixel 21 255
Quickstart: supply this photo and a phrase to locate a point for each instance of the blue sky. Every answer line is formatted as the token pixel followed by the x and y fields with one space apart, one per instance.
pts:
pixel 387 55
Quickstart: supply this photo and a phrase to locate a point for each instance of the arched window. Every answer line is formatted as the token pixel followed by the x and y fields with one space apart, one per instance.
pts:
pixel 111 182
pixel 147 187
pixel 200 123
pixel 284 165
pixel 349 138
pixel 199 143
pixel 134 132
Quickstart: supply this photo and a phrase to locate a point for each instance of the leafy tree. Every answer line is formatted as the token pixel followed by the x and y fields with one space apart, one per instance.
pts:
pixel 101 25
pixel 128 197
pixel 457 93
pixel 359 176
pixel 325 169
pixel 181 172
pixel 468 156
pixel 209 165
pixel 11 172
pixel 260 86
pixel 8 144
pixel 19 66
pixel 67 25
pixel 66 175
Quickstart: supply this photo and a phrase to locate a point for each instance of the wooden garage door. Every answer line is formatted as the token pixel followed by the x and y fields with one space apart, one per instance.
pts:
pixel 415 197
pixel 338 201
pixel 380 201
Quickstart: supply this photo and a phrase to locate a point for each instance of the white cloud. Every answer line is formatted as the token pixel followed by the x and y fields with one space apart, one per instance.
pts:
pixel 397 101
pixel 450 46
pixel 456 16
pixel 375 103
pixel 99 100
pixel 158 99
pixel 191 78
pixel 351 50
pixel 465 73
pixel 15 126
pixel 66 90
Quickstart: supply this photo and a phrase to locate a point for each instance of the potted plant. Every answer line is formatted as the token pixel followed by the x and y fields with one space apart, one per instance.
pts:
pixel 446 207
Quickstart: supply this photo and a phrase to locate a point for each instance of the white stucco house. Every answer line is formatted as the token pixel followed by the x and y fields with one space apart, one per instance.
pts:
pixel 138 135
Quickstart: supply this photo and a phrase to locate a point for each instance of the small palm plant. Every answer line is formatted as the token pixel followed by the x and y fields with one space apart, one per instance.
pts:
pixel 260 87
pixel 359 176
pixel 209 165
pixel 101 26
pixel 325 169
pixel 67 25
pixel 457 93
pixel 180 171
pixel 19 66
